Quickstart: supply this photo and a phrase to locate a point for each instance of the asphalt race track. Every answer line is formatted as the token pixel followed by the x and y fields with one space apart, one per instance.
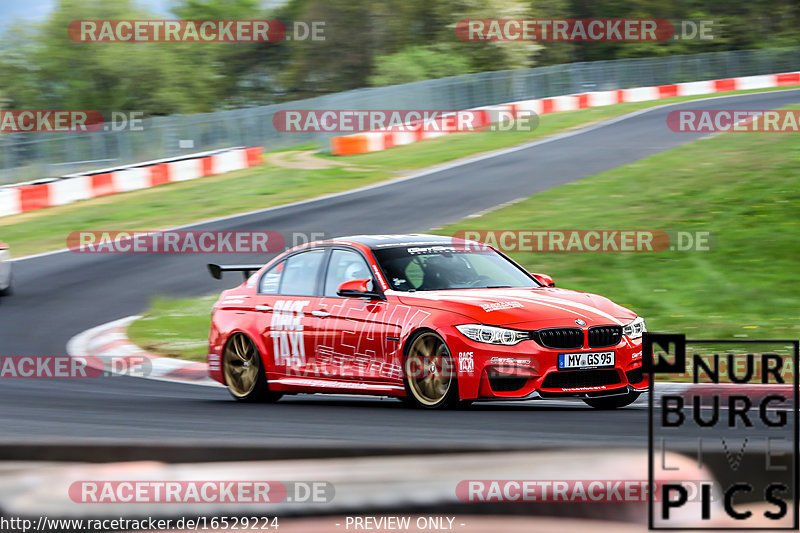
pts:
pixel 59 295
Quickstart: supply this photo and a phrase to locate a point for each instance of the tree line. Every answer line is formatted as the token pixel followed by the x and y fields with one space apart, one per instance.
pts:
pixel 366 43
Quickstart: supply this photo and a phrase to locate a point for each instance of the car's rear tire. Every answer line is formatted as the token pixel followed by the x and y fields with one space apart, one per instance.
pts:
pixel 244 371
pixel 429 373
pixel 612 402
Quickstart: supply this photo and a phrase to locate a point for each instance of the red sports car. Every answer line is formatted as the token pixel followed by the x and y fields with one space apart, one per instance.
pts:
pixel 429 319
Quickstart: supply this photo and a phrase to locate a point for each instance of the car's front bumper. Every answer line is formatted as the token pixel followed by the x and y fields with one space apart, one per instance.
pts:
pixel 528 370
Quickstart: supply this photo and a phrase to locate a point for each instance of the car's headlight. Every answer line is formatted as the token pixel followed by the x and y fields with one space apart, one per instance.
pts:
pixel 635 329
pixel 492 334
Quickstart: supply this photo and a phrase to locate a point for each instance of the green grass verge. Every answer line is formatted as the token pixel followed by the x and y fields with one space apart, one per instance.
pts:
pixel 265 186
pixel 175 327
pixel 743 187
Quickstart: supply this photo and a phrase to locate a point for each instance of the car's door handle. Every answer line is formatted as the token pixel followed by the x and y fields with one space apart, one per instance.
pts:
pixel 263 308
pixel 320 314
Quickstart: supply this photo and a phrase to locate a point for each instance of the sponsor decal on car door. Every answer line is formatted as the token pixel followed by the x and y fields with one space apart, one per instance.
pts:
pixel 354 341
pixel 286 330
pixel 361 339
pixel 287 325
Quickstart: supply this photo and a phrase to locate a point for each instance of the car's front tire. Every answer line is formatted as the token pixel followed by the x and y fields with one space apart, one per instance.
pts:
pixel 612 402
pixel 429 372
pixel 244 371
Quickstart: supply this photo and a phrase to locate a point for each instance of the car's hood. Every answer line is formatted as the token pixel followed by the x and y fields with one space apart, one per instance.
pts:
pixel 547 306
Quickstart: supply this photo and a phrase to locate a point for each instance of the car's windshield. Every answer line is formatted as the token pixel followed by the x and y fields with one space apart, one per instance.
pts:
pixel 428 268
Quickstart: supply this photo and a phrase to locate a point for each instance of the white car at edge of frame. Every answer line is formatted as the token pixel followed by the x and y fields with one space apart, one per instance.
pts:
pixel 5 270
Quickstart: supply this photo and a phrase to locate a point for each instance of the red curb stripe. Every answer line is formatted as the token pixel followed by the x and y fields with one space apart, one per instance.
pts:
pixel 33 197
pixel 722 86
pixel 782 80
pixel 159 174
pixel 102 184
pixel 667 91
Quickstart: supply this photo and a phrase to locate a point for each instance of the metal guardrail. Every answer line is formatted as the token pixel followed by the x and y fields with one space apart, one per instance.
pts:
pixel 29 156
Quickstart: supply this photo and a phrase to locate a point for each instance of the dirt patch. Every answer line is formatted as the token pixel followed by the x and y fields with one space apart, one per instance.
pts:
pixel 308 160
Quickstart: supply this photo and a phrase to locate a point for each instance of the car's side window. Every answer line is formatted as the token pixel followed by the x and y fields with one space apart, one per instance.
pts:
pixel 271 279
pixel 344 265
pixel 300 273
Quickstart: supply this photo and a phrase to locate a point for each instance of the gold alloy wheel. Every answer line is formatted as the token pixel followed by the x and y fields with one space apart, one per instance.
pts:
pixel 240 365
pixel 429 368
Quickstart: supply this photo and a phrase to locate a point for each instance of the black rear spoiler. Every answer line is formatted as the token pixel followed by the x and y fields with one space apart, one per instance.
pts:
pixel 217 270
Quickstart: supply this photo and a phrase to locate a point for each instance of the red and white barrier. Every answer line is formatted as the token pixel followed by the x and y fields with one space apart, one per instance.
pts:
pixel 375 141
pixel 22 198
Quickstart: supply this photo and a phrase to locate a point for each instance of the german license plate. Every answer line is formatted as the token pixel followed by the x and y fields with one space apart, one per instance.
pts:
pixel 585 360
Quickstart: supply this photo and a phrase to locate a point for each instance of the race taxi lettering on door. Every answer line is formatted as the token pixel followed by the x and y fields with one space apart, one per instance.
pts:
pixel 286 330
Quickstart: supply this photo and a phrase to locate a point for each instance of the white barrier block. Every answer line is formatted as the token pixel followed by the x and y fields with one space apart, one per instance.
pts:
pixel 529 106
pixel 188 169
pixel 694 88
pixel 497 113
pixel 402 137
pixel 10 202
pixel 229 161
pixel 66 191
pixel 601 98
pixel 374 141
pixel 433 128
pixel 755 82
pixel 565 103
pixel 641 94
pixel 131 179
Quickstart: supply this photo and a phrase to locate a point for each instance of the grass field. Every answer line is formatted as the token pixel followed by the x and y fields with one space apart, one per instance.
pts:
pixel 742 187
pixel 264 186
pixel 175 327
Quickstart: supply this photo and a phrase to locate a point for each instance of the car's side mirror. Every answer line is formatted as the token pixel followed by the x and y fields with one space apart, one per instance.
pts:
pixel 357 288
pixel 544 279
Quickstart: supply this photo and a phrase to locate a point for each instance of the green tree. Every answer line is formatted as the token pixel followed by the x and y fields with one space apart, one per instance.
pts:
pixel 417 63
pixel 48 70
pixel 246 72
pixel 737 25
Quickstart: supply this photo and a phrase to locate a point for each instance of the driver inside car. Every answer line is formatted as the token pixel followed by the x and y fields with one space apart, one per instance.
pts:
pixel 447 272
